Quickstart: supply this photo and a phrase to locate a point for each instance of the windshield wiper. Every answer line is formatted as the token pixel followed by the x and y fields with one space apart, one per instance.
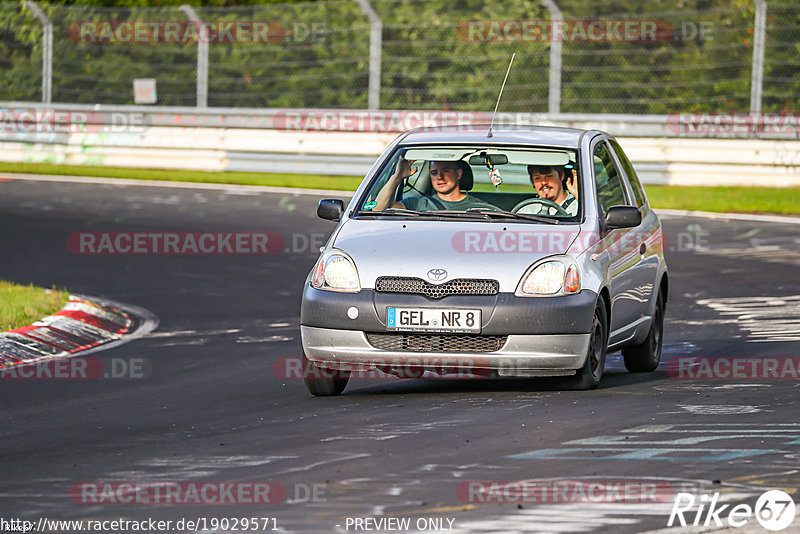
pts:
pixel 471 213
pixel 433 214
pixel 503 214
pixel 454 214
pixel 392 211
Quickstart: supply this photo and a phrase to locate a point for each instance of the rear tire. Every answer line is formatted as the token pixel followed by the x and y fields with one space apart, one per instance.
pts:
pixel 588 376
pixel 323 382
pixel 645 357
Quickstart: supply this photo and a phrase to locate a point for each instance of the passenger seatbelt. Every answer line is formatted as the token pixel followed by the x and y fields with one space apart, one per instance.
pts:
pixel 437 202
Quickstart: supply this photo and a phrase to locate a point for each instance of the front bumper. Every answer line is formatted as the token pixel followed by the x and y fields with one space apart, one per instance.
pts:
pixel 546 336
pixel 502 314
pixel 521 355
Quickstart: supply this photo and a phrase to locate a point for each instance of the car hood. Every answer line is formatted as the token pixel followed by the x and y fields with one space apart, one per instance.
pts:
pixel 500 251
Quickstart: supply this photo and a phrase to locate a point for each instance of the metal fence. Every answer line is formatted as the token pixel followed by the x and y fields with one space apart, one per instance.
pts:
pixel 573 56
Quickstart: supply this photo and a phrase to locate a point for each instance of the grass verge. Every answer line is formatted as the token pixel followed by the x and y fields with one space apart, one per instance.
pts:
pixel 717 199
pixel 785 200
pixel 24 305
pixel 304 181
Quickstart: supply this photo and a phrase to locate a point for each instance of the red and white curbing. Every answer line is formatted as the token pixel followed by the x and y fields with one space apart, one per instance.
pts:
pixel 81 325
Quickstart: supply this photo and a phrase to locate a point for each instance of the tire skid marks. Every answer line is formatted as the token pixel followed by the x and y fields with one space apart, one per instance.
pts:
pixel 386 431
pixel 768 253
pixel 189 468
pixel 200 337
pixel 720 409
pixel 679 442
pixel 765 319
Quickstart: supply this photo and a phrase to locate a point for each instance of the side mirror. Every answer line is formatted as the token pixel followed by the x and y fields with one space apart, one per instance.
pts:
pixel 623 217
pixel 330 208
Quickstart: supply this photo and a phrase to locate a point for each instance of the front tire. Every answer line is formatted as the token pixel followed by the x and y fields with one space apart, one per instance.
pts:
pixel 323 382
pixel 645 357
pixel 588 376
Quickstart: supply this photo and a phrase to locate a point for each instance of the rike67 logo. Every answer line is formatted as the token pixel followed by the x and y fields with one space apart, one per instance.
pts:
pixel 774 510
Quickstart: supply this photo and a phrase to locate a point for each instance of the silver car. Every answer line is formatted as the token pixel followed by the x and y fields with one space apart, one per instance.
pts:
pixel 517 252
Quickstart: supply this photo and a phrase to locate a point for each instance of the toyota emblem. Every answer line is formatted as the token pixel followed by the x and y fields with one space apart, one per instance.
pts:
pixel 437 274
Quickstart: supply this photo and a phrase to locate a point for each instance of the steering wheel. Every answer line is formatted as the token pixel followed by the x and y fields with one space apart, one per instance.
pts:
pixel 543 202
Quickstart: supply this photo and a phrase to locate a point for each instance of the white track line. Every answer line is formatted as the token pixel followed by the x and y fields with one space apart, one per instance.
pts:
pixel 730 216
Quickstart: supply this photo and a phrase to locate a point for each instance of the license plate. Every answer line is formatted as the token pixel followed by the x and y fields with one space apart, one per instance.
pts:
pixel 433 319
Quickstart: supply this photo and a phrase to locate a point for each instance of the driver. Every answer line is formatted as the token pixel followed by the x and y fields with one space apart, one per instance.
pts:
pixel 445 177
pixel 549 183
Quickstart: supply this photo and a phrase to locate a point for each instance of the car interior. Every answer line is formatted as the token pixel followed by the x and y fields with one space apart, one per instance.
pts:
pixel 477 166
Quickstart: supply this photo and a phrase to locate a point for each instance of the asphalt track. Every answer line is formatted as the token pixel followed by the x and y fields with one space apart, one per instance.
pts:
pixel 213 409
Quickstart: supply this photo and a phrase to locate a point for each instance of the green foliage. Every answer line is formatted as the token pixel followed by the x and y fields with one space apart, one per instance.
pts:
pixel 320 57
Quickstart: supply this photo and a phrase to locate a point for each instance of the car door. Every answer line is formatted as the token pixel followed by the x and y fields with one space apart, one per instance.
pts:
pixel 648 234
pixel 620 244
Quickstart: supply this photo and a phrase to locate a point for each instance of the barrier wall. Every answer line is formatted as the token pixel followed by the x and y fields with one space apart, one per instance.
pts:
pixel 266 141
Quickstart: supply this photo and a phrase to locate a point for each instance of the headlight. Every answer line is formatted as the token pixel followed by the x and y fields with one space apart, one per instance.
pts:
pixel 550 278
pixel 335 271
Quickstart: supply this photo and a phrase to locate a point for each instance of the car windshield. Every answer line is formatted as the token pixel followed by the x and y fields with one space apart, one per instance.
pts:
pixel 483 182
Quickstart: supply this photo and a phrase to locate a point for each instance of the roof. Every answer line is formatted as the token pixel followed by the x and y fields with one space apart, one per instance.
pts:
pixel 501 134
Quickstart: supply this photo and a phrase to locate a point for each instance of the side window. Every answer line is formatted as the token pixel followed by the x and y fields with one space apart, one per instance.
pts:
pixel 610 191
pixel 638 192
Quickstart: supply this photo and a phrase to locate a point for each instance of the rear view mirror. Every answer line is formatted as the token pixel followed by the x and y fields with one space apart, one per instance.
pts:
pixel 488 159
pixel 330 208
pixel 623 217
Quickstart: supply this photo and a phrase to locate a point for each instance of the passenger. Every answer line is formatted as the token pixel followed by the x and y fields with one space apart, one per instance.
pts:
pixel 445 179
pixel 550 184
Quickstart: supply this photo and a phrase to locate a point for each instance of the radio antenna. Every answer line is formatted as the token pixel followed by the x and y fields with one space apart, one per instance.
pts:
pixel 501 94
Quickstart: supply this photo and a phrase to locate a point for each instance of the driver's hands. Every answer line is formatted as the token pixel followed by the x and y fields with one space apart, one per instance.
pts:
pixel 572 183
pixel 404 168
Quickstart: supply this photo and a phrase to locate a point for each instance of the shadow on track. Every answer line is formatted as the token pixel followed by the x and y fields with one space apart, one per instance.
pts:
pixel 489 385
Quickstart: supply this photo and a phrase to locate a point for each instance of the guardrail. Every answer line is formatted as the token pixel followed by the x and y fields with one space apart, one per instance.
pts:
pixel 346 142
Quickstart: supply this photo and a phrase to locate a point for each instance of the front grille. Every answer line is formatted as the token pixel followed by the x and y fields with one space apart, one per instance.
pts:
pixel 461 286
pixel 436 343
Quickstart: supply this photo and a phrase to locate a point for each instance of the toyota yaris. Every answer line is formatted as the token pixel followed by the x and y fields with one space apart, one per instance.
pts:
pixel 517 252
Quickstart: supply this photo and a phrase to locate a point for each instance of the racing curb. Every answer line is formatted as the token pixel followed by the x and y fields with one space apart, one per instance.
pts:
pixel 83 325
